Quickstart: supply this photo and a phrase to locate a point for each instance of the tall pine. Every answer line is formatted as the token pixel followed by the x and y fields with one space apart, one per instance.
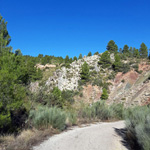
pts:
pixel 112 47
pixel 4 36
pixel 143 51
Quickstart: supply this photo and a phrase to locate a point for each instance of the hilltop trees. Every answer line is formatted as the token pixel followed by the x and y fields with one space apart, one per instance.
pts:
pixel 89 54
pixel 136 53
pixel 80 56
pixel 126 50
pixel 75 58
pixel 112 47
pixel 105 60
pixel 143 51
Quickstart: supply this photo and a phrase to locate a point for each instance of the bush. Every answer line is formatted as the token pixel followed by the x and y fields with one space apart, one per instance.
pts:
pixel 68 96
pixel 44 117
pixel 97 82
pixel 138 127
pixel 104 95
pixel 85 74
pixel 136 67
pixel 100 110
pixel 71 118
pixel 105 60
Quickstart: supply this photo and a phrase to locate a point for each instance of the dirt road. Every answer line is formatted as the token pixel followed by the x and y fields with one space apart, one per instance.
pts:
pixel 100 136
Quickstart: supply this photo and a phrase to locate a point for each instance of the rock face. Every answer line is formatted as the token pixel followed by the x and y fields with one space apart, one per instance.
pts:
pixel 91 93
pixel 67 78
pixel 130 88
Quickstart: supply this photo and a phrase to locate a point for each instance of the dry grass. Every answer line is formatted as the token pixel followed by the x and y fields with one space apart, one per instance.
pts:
pixel 26 139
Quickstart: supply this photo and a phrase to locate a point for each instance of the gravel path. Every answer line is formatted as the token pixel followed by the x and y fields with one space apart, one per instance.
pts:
pixel 100 136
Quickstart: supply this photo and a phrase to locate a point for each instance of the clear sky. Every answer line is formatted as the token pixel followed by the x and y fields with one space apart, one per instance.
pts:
pixel 71 27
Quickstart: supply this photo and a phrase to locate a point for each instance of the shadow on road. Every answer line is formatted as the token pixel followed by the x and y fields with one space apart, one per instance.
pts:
pixel 122 133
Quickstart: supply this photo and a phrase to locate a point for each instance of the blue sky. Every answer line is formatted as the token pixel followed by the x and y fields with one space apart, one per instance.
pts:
pixel 71 27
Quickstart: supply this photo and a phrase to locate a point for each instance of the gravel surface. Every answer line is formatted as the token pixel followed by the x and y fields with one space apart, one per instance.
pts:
pixel 99 136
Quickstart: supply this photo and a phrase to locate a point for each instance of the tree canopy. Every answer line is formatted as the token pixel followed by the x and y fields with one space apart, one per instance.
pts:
pixel 4 36
pixel 105 60
pixel 112 47
pixel 85 74
pixel 143 51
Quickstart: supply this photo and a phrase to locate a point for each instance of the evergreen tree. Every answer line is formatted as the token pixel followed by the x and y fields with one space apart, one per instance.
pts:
pixel 136 53
pixel 70 60
pixel 89 54
pixel 143 51
pixel 18 52
pixel 130 51
pixel 80 56
pixel 4 36
pixel 96 53
pixel 117 65
pixel 67 59
pixel 104 95
pixel 105 60
pixel 74 58
pixel 85 74
pixel 126 50
pixel 112 47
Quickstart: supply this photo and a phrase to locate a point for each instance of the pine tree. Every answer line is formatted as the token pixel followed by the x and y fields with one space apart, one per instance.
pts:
pixel 4 36
pixel 85 74
pixel 143 51
pixel 104 95
pixel 80 56
pixel 136 53
pixel 89 54
pixel 130 51
pixel 126 50
pixel 74 58
pixel 96 53
pixel 70 60
pixel 67 59
pixel 117 65
pixel 105 60
pixel 112 47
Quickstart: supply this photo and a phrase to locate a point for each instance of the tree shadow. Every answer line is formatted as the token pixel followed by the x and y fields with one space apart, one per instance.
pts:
pixel 122 133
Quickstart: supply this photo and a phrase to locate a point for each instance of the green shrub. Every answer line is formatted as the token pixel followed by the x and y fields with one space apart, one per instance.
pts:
pixel 97 82
pixel 117 110
pixel 136 67
pixel 104 95
pixel 43 117
pixel 68 96
pixel 138 127
pixel 101 111
pixel 72 117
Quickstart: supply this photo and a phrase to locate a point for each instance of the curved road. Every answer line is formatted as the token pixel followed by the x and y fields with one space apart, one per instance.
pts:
pixel 100 136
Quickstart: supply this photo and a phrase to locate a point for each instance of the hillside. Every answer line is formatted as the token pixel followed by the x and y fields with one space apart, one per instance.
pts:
pixel 130 88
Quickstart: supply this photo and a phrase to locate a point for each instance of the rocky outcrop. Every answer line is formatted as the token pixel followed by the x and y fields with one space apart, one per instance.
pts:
pixel 131 88
pixel 67 78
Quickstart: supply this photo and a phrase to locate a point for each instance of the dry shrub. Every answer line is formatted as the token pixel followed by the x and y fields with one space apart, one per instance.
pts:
pixel 27 139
